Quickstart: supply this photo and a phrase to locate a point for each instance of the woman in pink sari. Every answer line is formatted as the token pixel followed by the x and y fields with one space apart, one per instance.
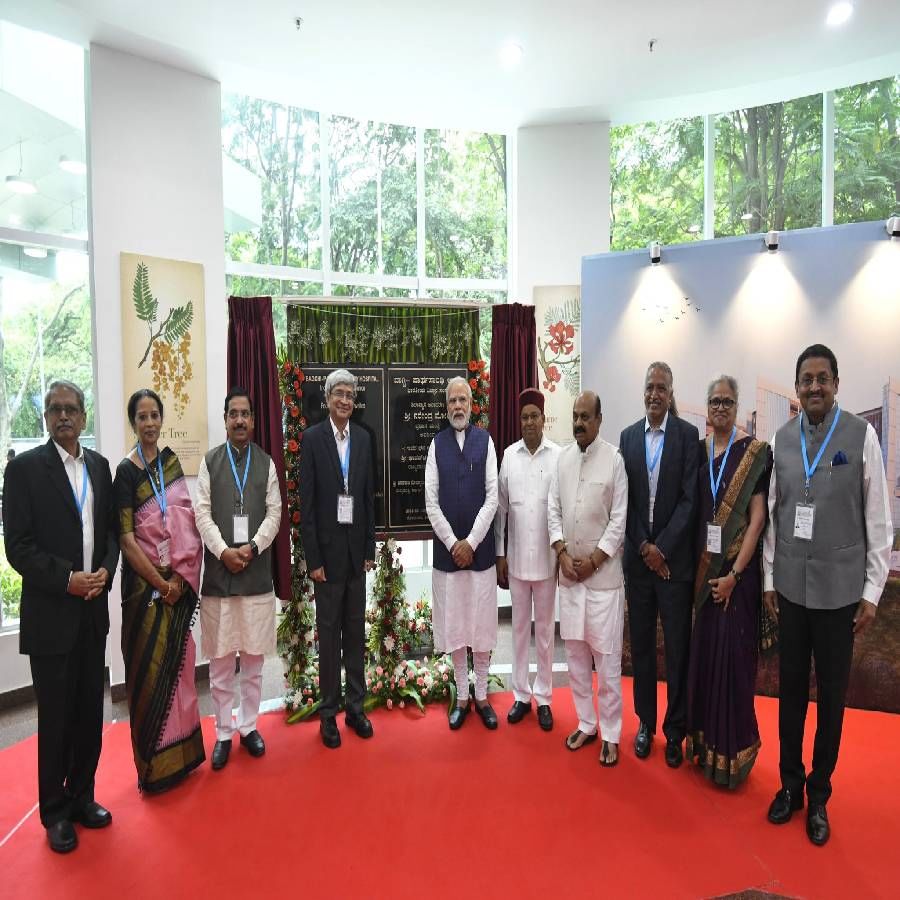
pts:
pixel 161 557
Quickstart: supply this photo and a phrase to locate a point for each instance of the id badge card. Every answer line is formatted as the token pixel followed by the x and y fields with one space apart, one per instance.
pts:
pixel 804 518
pixel 345 509
pixel 165 558
pixel 241 531
pixel 713 538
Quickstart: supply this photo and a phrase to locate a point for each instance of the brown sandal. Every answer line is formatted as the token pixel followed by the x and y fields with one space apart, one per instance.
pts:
pixel 577 739
pixel 605 755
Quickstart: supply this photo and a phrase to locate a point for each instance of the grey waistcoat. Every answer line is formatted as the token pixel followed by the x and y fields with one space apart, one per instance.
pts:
pixel 829 571
pixel 225 502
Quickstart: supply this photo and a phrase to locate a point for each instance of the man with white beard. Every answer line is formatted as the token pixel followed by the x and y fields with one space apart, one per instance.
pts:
pixel 461 500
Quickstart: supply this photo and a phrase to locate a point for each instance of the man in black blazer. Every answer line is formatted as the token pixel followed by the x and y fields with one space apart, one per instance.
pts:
pixel 337 525
pixel 59 526
pixel 661 455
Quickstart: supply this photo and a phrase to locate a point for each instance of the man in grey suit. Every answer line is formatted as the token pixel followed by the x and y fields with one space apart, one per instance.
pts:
pixel 825 563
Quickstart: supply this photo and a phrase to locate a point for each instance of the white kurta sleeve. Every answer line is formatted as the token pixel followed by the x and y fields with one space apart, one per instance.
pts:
pixel 209 531
pixel 769 539
pixel 439 524
pixel 485 517
pixel 877 509
pixel 614 535
pixel 502 505
pixel 554 507
pixel 268 529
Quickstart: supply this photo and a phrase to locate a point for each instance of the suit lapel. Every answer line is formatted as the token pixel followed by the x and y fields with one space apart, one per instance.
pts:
pixel 644 480
pixel 59 479
pixel 92 464
pixel 331 450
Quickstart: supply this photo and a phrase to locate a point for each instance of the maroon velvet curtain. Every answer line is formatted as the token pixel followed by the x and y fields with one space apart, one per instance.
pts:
pixel 513 368
pixel 252 365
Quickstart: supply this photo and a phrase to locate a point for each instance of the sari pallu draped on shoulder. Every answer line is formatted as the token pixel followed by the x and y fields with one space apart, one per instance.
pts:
pixel 157 645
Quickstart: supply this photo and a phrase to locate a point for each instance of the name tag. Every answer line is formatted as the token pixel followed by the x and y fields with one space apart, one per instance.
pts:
pixel 165 558
pixel 241 529
pixel 345 509
pixel 804 518
pixel 713 538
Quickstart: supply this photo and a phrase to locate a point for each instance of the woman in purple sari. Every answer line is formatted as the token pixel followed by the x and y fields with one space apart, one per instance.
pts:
pixel 723 736
pixel 161 557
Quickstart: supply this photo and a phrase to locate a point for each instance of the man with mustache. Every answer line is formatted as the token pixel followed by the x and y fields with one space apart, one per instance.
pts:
pixel 238 514
pixel 661 454
pixel 587 506
pixel 461 500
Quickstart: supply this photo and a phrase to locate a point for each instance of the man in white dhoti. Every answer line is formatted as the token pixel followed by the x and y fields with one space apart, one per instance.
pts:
pixel 526 560
pixel 238 513
pixel 461 500
pixel 587 507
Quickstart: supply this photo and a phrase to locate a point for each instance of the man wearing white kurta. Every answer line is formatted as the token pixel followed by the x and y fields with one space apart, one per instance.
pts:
pixel 461 500
pixel 238 513
pixel 587 507
pixel 527 561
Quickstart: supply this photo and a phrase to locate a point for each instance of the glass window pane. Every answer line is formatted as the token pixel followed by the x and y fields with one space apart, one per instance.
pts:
pixel 656 183
pixel 768 167
pixel 867 151
pixel 465 198
pixel 270 171
pixel 373 197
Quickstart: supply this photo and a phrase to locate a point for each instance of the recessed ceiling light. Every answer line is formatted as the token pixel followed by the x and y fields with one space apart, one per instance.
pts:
pixel 72 166
pixel 36 252
pixel 839 13
pixel 19 185
pixel 511 54
pixel 693 229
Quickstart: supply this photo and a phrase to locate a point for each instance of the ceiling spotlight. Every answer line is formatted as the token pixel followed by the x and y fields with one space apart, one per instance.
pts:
pixel 839 13
pixel 771 241
pixel 693 229
pixel 892 226
pixel 655 253
pixel 72 166
pixel 747 217
pixel 35 252
pixel 298 22
pixel 511 54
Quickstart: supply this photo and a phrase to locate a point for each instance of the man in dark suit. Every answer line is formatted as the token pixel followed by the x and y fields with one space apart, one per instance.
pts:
pixel 60 531
pixel 337 522
pixel 661 455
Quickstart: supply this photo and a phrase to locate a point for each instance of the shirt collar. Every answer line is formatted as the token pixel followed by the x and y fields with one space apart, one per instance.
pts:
pixel 334 429
pixel 541 446
pixel 825 424
pixel 64 454
pixel 662 427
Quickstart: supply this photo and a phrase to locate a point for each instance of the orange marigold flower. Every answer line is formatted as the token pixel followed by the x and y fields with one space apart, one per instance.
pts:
pixel 295 516
pixel 295 411
pixel 476 409
pixel 473 384
pixel 292 485
pixel 293 446
pixel 473 365
pixel 481 363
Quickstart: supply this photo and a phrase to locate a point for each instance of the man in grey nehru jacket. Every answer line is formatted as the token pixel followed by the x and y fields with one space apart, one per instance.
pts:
pixel 825 562
pixel 238 513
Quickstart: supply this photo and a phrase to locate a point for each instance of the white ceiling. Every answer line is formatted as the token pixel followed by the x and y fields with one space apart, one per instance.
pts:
pixel 435 63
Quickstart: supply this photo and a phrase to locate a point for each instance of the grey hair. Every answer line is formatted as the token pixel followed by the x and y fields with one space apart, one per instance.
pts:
pixel 339 376
pixel 67 386
pixel 458 379
pixel 661 365
pixel 730 380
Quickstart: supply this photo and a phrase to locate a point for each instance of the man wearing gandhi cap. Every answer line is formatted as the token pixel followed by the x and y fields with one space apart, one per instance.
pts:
pixel 525 558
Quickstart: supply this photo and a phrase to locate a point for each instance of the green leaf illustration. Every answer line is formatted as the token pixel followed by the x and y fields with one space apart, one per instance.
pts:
pixel 146 306
pixel 178 322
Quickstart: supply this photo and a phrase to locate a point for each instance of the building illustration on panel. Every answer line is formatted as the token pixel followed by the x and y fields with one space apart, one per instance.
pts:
pixel 775 405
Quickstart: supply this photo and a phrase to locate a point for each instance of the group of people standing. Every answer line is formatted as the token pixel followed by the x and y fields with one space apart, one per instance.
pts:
pixel 667 524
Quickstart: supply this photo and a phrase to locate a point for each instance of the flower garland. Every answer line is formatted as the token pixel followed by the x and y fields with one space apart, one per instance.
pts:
pixel 480 382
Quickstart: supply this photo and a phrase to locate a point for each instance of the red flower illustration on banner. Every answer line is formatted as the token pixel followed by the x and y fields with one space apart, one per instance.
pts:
pixel 561 337
pixel 554 376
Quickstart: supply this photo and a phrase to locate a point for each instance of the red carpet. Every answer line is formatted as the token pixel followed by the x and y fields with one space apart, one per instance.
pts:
pixel 423 812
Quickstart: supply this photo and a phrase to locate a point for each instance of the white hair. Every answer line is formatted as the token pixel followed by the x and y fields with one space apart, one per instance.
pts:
pixel 730 380
pixel 458 379
pixel 339 376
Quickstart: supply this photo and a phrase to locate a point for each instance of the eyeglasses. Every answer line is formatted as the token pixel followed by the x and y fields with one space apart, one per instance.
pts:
pixel 239 414
pixel 57 409
pixel 342 395
pixel 723 402
pixel 807 381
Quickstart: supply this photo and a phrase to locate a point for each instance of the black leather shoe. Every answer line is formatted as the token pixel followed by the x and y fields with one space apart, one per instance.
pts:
pixel 331 737
pixel 545 718
pixel 254 743
pixel 488 716
pixel 642 741
pixel 458 716
pixel 817 828
pixel 517 712
pixel 674 754
pixel 92 815
pixel 785 804
pixel 61 837
pixel 360 723
pixel 220 754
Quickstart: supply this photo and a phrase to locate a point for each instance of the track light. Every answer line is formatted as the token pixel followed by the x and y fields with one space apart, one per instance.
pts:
pixel 655 253
pixel 771 241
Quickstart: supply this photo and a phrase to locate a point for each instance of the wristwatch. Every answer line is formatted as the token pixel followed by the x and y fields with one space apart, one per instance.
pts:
pixel 254 548
pixel 737 575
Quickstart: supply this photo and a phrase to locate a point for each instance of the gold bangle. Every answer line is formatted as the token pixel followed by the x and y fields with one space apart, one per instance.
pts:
pixel 165 596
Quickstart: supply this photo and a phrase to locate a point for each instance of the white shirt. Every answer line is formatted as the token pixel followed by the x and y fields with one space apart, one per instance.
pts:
pixel 522 488
pixel 208 529
pixel 485 518
pixel 342 443
pixel 653 437
pixel 877 511
pixel 74 466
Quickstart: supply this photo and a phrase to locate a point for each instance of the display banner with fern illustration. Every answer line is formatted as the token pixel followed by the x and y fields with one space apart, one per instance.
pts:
pixel 164 348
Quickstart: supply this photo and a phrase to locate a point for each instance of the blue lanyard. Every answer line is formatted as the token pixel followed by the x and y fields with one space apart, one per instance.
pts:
pixel 79 502
pixel 651 463
pixel 811 469
pixel 714 484
pixel 240 484
pixel 345 464
pixel 159 493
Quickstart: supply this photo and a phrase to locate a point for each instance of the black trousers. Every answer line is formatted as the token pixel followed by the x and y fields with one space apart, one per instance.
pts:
pixel 672 602
pixel 69 690
pixel 341 622
pixel 825 635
